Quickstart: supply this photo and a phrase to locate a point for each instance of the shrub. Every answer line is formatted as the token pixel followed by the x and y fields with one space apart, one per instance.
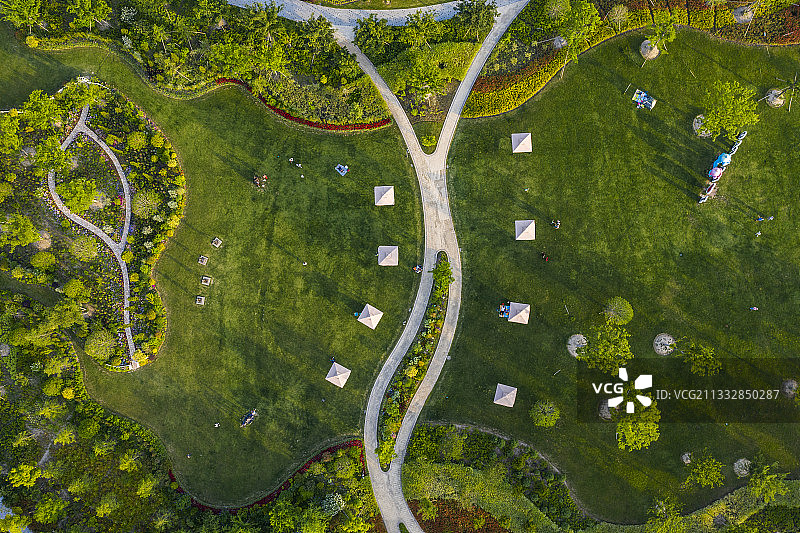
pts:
pixel 137 140
pixel 43 260
pixel 76 290
pixel 77 194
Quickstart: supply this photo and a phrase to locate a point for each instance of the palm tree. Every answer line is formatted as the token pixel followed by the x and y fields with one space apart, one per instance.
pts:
pixel 264 19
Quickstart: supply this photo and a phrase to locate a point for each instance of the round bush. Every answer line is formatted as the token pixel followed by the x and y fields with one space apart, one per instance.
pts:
pixel 145 203
pixel 84 248
pixel 100 345
pixel 545 413
pixel 619 310
pixel 43 260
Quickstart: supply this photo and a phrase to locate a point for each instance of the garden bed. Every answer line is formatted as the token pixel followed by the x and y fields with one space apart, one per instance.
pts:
pixel 412 368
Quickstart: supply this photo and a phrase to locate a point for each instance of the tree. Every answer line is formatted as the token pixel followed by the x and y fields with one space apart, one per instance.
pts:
pixel 578 23
pixel 43 260
pixel 423 77
pixel 40 110
pixel 372 35
pixel 661 33
pixel 136 140
pixel 702 359
pixel 557 9
pixel 80 485
pixel 728 107
pixel 332 504
pixel 101 345
pixel 766 486
pixel 264 20
pixel 87 12
pixel 618 15
pixel 50 156
pixel 619 311
pixel 24 475
pixel 10 140
pixel 22 12
pixel 475 17
pixel 76 290
pixel 607 349
pixel 14 523
pixel 317 35
pixel 78 95
pixel 545 414
pixel 665 516
pixel 77 194
pixel 129 461
pixel 159 34
pixel 705 471
pixel 146 486
pixel 639 429
pixel 65 436
pixel 284 517
pixel 108 504
pixel 84 248
pixel 6 190
pixel 22 439
pixel 18 230
pixel 313 520
pixel 49 509
pixel 420 28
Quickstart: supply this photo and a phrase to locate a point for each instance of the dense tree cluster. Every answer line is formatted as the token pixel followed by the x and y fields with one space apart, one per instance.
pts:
pixel 298 67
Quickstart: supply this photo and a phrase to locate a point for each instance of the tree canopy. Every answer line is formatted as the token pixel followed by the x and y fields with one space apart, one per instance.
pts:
pixel 607 349
pixel 728 107
pixel 22 12
pixel 77 194
pixel 639 429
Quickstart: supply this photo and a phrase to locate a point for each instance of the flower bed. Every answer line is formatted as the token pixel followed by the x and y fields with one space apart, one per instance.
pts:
pixel 304 122
pixel 414 365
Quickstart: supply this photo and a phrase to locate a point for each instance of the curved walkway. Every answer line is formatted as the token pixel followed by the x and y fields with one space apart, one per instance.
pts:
pixel 116 247
pixel 344 19
pixel 440 235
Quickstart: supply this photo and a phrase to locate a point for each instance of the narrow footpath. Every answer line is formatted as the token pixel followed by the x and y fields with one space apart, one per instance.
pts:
pixel 116 247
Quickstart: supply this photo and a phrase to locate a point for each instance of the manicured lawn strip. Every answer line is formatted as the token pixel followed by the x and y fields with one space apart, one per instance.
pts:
pixel 624 183
pixel 426 132
pixel 270 325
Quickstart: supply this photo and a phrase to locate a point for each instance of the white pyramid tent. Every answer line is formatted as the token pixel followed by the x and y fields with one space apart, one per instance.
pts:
pixel 505 395
pixel 525 229
pixel 370 316
pixel 384 195
pixel 521 143
pixel 338 375
pixel 388 256
pixel 519 313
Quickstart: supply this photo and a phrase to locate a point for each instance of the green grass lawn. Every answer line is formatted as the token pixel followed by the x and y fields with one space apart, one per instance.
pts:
pixel 624 183
pixel 270 325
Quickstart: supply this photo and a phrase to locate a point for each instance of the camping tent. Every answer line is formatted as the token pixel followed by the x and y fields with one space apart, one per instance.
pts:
pixel 370 316
pixel 519 313
pixel 387 256
pixel 521 143
pixel 525 229
pixel 338 375
pixel 505 395
pixel 384 195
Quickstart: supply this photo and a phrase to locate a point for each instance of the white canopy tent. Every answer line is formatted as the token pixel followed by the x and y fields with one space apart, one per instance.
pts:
pixel 525 230
pixel 388 256
pixel 505 395
pixel 384 195
pixel 521 143
pixel 519 313
pixel 370 316
pixel 338 375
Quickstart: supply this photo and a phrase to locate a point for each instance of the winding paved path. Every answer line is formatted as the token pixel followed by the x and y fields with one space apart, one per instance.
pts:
pixel 440 235
pixel 116 247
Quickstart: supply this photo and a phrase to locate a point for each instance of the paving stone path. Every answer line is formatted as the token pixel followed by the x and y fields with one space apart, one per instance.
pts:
pixel 116 247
